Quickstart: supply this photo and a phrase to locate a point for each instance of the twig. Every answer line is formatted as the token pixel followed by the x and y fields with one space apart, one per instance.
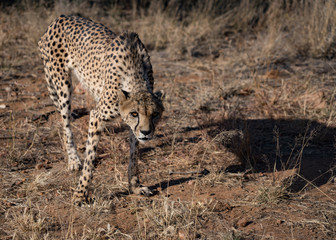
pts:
pixel 203 172
pixel 316 187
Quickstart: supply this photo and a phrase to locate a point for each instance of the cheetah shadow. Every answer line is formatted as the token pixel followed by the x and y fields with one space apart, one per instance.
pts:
pixel 162 185
pixel 266 145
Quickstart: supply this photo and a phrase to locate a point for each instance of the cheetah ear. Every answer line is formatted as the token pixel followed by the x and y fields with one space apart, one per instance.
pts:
pixel 160 95
pixel 123 95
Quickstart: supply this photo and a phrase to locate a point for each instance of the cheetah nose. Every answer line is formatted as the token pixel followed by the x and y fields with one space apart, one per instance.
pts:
pixel 145 132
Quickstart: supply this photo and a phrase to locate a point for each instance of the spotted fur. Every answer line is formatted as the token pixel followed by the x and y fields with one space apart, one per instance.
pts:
pixel 117 71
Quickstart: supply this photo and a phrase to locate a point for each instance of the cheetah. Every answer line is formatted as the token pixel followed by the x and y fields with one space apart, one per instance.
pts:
pixel 117 71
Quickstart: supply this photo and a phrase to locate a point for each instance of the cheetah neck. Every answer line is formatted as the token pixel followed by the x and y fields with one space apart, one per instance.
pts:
pixel 130 77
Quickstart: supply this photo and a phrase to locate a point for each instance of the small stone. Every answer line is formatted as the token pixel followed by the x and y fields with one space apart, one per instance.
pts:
pixel 39 166
pixel 279 222
pixel 146 220
pixel 243 222
pixel 182 234
pixel 20 195
pixel 20 182
pixel 9 204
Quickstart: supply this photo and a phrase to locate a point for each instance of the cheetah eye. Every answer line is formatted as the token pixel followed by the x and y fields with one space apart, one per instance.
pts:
pixel 134 114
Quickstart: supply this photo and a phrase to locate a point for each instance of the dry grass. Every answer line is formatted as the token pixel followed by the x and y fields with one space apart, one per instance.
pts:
pixel 280 30
pixel 250 97
pixel 166 219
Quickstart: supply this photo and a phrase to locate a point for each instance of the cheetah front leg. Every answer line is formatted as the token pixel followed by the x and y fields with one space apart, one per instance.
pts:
pixel 96 126
pixel 133 172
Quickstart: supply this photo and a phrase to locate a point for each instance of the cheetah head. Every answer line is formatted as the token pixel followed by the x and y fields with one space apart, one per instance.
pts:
pixel 141 111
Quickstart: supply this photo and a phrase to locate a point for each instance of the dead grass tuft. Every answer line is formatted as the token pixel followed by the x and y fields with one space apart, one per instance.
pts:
pixel 164 218
pixel 272 194
pixel 27 224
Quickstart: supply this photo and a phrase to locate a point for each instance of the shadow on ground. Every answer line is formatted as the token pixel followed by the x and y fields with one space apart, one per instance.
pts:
pixel 268 144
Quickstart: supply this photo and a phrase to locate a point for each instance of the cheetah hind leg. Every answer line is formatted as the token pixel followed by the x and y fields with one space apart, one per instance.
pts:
pixel 62 100
pixel 74 163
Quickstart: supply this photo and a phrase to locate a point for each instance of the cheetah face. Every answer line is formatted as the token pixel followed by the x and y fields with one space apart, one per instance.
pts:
pixel 141 112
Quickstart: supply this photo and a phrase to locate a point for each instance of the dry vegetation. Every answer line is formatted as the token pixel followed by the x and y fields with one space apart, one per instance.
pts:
pixel 250 91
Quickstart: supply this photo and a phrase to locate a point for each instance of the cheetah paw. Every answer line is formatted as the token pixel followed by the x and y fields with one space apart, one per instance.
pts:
pixel 80 199
pixel 143 191
pixel 74 164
